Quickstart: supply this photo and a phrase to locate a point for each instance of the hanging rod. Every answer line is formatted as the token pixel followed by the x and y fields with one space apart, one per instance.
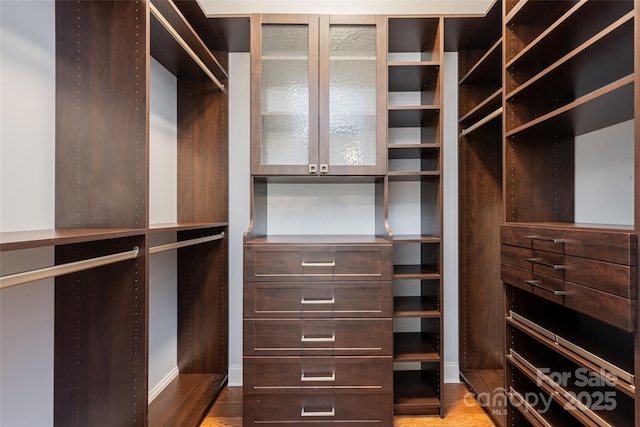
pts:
pixel 185 45
pixel 183 243
pixel 482 122
pixel 59 270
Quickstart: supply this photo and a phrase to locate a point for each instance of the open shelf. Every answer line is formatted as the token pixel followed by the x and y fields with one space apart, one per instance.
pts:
pixel 605 107
pixel 185 226
pixel 15 240
pixel 487 106
pixel 487 69
pixel 414 347
pixel 576 26
pixel 413 116
pixel 415 272
pixel 415 238
pixel 411 151
pixel 415 307
pixel 414 394
pixel 186 401
pixel 412 76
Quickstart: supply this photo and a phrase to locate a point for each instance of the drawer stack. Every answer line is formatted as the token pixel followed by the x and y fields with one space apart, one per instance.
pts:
pixel 318 334
pixel 592 271
pixel 571 325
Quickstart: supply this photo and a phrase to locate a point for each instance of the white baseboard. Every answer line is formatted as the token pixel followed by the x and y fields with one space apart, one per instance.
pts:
pixel 235 375
pixel 451 372
pixel 163 384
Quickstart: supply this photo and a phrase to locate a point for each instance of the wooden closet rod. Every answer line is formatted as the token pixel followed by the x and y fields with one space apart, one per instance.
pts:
pixel 183 243
pixel 185 45
pixel 482 122
pixel 59 270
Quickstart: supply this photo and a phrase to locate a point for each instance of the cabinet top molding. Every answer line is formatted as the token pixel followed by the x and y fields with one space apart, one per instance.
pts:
pixel 404 7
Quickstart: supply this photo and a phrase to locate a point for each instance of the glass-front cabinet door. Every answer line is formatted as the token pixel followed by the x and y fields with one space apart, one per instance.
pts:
pixel 352 95
pixel 284 94
pixel 318 95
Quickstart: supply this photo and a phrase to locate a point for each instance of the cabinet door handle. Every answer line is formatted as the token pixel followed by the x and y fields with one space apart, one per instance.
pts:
pixel 330 413
pixel 540 261
pixel 536 283
pixel 327 378
pixel 318 264
pixel 332 338
pixel 324 168
pixel 313 168
pixel 545 239
pixel 318 301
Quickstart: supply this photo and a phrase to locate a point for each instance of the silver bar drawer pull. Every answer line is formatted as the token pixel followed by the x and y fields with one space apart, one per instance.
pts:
pixel 545 239
pixel 536 283
pixel 318 301
pixel 328 378
pixel 540 261
pixel 318 264
pixel 332 338
pixel 305 413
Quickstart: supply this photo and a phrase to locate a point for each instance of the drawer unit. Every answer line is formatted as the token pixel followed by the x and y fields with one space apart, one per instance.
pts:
pixel 274 374
pixel 323 262
pixel 315 337
pixel 331 409
pixel 318 299
pixel 318 333
pixel 592 271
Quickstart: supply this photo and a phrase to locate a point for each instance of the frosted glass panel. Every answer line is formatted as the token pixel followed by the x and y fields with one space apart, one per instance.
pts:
pixel 352 40
pixel 285 40
pixel 285 95
pixel 285 86
pixel 285 140
pixel 352 95
pixel 353 140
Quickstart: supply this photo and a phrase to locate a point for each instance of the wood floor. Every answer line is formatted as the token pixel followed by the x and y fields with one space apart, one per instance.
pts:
pixel 461 411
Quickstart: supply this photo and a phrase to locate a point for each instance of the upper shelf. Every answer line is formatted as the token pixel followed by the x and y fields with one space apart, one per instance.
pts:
pixel 413 76
pixel 176 45
pixel 577 25
pixel 523 11
pixel 14 240
pixel 607 106
pixel 487 69
pixel 419 35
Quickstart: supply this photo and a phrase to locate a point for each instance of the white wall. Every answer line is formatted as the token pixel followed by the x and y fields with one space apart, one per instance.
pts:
pixel 239 184
pixel 450 214
pixel 27 177
pixel 604 175
pixel 163 167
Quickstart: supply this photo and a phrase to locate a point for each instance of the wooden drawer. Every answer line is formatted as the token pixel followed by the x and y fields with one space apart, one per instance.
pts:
pixel 617 279
pixel 612 309
pixel 314 263
pixel 330 410
pixel 307 299
pixel 548 287
pixel 613 246
pixel 353 337
pixel 282 374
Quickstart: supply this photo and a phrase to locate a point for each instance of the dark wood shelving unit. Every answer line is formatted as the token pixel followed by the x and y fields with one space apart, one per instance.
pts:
pixel 102 211
pixel 570 69
pixel 480 48
pixel 414 63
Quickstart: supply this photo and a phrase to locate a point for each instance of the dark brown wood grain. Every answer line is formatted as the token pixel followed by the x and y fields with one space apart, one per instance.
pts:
pixel 615 310
pixel 101 105
pixel 100 351
pixel 186 400
pixel 203 172
pixel 203 306
pixel 332 299
pixel 277 410
pixel 351 374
